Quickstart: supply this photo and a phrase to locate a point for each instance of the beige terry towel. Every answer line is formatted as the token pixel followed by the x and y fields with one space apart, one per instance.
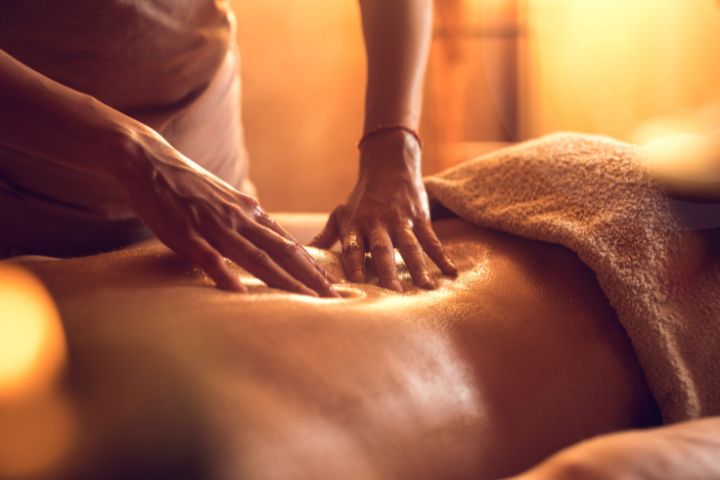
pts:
pixel 592 195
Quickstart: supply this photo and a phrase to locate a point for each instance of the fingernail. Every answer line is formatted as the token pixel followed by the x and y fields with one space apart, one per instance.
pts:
pixel 332 292
pixel 396 285
pixel 452 269
pixel 427 282
pixel 307 291
pixel 232 287
pixel 358 276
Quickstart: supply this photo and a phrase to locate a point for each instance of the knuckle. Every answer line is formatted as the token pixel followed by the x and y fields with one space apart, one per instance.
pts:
pixel 251 206
pixel 339 211
pixel 406 244
pixel 248 201
pixel 291 249
pixel 238 222
pixel 400 218
pixel 343 220
pixel 435 244
pixel 260 256
pixel 228 210
pixel 370 224
pixel 214 262
pixel 351 247
pixel 382 249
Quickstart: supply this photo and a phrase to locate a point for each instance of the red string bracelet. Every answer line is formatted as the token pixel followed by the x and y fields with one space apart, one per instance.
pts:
pixel 380 129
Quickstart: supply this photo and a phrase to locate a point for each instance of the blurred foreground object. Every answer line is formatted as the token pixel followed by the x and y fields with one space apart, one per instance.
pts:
pixel 37 422
pixel 94 400
pixel 687 164
pixel 683 153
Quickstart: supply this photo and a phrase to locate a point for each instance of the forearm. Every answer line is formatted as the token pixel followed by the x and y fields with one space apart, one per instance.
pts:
pixel 388 207
pixel 46 119
pixel 201 217
pixel 397 39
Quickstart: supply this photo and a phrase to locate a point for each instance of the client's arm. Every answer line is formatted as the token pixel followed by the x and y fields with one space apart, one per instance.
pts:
pixel 688 451
pixel 191 210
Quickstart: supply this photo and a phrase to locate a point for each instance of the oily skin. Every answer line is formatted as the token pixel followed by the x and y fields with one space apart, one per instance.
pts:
pixel 206 220
pixel 483 377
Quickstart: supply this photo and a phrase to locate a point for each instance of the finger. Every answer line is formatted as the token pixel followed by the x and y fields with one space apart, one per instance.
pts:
pixel 383 258
pixel 353 255
pixel 412 253
pixel 292 257
pixel 267 221
pixel 329 234
pixel 256 261
pixel 433 247
pixel 211 262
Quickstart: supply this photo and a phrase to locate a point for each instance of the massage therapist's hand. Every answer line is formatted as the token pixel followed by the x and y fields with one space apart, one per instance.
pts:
pixel 387 208
pixel 206 220
pixel 195 213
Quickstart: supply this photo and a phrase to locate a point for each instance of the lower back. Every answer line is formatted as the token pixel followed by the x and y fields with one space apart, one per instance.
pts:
pixel 517 358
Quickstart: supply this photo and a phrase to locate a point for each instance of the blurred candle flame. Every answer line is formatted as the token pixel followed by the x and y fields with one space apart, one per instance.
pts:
pixel 37 421
pixel 32 343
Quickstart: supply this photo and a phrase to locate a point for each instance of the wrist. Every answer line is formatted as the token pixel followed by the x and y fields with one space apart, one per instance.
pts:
pixel 110 143
pixel 382 129
pixel 388 112
pixel 395 151
pixel 126 152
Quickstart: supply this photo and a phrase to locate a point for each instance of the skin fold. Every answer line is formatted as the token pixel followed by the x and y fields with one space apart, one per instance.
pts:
pixel 482 378
pixel 688 451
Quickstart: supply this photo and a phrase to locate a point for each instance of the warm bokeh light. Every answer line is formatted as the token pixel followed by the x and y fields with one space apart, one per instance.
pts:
pixel 36 435
pixel 593 66
pixel 688 163
pixel 37 421
pixel 303 74
pixel 609 66
pixel 32 344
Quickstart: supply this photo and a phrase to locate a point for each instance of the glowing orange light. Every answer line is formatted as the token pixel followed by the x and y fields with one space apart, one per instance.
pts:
pixel 32 344
pixel 36 435
pixel 37 421
pixel 608 66
pixel 686 162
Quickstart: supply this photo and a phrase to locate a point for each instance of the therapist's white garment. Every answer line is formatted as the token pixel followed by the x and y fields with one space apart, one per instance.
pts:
pixel 171 64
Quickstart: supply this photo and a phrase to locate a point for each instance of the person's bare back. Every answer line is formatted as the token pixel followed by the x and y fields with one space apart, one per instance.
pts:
pixel 517 358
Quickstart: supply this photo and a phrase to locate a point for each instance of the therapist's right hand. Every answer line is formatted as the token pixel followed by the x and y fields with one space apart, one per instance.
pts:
pixel 206 220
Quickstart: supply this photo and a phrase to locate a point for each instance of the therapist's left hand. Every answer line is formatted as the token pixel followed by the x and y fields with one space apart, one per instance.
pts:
pixel 387 209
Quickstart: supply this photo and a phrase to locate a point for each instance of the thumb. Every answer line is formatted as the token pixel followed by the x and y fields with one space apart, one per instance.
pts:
pixel 329 234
